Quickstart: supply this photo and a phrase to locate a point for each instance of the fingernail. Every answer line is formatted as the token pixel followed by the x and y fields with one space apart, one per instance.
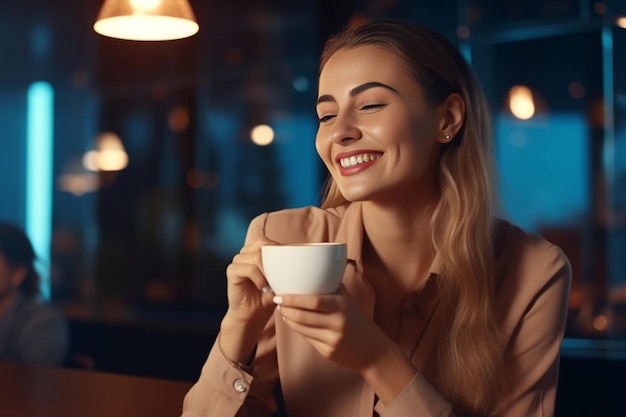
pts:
pixel 277 299
pixel 266 290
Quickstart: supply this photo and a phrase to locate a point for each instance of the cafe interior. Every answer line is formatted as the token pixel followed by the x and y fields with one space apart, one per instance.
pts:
pixel 135 164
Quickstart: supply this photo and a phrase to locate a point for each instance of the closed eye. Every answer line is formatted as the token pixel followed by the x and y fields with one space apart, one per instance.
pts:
pixel 373 106
pixel 326 118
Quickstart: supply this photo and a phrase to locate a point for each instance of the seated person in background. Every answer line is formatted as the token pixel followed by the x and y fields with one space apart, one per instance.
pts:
pixel 31 331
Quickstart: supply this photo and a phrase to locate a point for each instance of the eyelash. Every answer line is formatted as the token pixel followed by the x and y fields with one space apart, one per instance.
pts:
pixel 372 106
pixel 365 107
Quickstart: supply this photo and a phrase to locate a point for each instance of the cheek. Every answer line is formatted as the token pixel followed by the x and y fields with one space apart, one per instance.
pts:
pixel 419 144
pixel 395 128
pixel 323 149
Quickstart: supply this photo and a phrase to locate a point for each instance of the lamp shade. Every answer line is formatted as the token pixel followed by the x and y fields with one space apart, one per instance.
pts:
pixel 146 20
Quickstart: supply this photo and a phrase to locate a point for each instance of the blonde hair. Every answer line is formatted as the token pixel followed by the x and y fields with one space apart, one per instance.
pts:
pixel 472 348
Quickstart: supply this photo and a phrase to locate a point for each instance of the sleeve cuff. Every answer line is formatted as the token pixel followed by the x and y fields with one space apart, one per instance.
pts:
pixel 418 398
pixel 229 378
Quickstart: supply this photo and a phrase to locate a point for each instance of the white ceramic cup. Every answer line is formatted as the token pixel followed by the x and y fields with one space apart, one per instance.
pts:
pixel 304 268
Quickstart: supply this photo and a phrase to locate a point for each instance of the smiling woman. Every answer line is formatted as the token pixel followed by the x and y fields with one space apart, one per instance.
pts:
pixel 444 308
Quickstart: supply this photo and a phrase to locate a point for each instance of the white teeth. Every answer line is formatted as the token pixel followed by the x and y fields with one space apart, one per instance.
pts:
pixel 358 159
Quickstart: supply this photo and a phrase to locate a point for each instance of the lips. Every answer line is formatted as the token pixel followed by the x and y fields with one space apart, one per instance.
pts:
pixel 352 163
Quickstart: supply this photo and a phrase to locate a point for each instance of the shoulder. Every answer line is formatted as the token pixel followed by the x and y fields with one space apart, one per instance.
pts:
pixel 33 313
pixel 299 224
pixel 527 258
pixel 514 242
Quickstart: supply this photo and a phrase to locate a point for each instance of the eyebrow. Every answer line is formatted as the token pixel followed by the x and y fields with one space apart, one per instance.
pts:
pixel 357 90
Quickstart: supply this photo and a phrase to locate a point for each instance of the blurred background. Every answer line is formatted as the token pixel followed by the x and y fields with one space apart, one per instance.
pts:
pixel 136 166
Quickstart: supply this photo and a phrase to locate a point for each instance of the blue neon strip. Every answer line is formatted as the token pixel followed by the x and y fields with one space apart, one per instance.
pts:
pixel 39 154
pixel 608 78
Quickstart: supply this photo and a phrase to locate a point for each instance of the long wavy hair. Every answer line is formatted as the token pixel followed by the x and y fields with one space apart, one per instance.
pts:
pixel 462 226
pixel 18 252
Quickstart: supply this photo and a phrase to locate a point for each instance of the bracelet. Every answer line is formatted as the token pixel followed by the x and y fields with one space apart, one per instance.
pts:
pixel 238 365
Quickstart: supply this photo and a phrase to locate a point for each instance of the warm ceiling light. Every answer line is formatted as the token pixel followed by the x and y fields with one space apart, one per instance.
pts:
pixel 146 20
pixel 621 22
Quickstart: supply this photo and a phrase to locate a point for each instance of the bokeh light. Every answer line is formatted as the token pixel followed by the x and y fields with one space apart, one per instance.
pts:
pixel 262 135
pixel 521 102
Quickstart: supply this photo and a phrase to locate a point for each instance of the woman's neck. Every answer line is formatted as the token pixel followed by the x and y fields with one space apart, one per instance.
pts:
pixel 398 239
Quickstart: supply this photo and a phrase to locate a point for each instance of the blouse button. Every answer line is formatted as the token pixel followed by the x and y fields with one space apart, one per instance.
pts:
pixel 240 385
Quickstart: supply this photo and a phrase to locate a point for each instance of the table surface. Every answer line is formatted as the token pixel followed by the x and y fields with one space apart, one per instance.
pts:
pixel 37 391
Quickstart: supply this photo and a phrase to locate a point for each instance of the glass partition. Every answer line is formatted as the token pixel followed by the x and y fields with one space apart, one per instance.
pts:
pixel 554 78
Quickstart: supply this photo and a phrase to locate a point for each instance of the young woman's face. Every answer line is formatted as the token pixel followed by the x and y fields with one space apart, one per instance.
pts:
pixel 377 135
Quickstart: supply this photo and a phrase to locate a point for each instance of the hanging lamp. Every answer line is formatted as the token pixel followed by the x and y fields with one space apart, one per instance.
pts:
pixel 146 20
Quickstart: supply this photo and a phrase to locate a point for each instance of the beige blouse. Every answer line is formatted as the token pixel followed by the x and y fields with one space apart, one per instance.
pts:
pixel 533 280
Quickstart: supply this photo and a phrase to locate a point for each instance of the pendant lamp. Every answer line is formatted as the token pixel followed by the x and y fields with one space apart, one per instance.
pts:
pixel 146 20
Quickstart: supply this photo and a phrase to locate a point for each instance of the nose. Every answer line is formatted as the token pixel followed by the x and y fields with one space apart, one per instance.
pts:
pixel 344 130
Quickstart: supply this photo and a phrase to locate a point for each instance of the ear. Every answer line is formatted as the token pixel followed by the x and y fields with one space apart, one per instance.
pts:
pixel 452 117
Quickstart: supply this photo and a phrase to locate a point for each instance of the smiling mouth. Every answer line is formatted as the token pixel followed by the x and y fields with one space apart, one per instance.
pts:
pixel 358 159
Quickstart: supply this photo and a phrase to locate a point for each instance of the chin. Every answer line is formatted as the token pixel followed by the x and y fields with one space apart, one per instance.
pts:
pixel 353 196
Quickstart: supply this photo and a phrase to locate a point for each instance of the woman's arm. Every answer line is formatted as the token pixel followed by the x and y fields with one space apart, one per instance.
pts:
pixel 534 347
pixel 227 389
pixel 231 383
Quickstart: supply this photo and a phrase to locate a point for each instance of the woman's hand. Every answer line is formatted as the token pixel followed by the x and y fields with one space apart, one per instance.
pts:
pixel 335 327
pixel 342 333
pixel 249 297
pixel 249 303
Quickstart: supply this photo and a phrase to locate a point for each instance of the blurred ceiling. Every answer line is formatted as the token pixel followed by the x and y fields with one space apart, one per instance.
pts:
pixel 250 49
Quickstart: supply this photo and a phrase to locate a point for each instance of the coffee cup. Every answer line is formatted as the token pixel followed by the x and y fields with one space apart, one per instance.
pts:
pixel 304 268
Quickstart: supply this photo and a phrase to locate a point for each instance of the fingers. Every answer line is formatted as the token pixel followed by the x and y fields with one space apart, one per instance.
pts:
pixel 241 273
pixel 256 245
pixel 306 322
pixel 315 333
pixel 321 303
pixel 325 328
pixel 247 265
pixel 312 311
